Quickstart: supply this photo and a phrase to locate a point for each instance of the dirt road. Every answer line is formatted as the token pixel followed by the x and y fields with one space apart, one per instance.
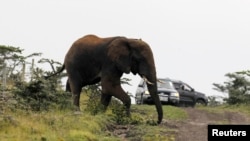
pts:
pixel 192 129
pixel 195 128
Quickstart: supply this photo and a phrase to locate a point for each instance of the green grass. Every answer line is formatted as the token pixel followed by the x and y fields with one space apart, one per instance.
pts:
pixel 169 112
pixel 242 108
pixel 67 126
pixel 51 126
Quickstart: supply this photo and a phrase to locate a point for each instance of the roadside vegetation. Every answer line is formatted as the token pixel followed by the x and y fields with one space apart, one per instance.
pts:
pixel 33 108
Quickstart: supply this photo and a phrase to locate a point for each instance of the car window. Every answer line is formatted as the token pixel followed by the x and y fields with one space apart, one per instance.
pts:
pixel 177 85
pixel 187 88
pixel 141 84
pixel 165 84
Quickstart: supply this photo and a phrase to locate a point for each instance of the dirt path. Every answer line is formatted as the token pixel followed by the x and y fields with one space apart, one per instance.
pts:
pixel 192 129
pixel 195 128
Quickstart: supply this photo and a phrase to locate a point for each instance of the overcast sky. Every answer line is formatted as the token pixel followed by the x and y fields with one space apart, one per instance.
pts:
pixel 197 41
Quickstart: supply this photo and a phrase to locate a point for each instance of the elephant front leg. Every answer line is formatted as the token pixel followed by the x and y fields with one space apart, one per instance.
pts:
pixel 109 89
pixel 105 100
pixel 125 99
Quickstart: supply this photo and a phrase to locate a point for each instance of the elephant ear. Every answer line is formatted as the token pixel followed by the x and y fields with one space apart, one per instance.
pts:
pixel 119 53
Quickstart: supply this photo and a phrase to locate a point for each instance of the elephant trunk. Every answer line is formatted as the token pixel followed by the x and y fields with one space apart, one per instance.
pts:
pixel 152 88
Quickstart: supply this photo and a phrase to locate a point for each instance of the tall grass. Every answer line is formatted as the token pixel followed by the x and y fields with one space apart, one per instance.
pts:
pixel 52 126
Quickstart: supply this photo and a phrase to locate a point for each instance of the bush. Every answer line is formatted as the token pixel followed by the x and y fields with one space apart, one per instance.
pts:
pixel 93 104
pixel 40 94
pixel 237 87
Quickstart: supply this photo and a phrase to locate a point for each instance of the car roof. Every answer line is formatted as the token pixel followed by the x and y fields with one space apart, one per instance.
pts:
pixel 179 81
pixel 164 78
pixel 176 80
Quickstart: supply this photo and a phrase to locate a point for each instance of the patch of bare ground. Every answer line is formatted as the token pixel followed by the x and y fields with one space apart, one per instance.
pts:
pixel 120 131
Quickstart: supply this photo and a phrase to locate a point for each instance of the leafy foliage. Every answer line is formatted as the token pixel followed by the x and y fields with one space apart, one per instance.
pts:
pixel 12 69
pixel 40 94
pixel 11 57
pixel 237 87
pixel 94 94
pixel 212 101
pixel 37 94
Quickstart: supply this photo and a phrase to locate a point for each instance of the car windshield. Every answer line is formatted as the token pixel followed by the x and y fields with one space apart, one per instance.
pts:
pixel 165 84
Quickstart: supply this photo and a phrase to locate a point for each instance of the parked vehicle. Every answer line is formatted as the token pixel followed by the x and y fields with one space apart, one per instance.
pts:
pixel 188 95
pixel 166 91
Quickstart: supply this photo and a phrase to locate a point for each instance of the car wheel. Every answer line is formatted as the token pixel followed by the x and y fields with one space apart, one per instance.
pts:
pixel 200 102
pixel 181 104
pixel 138 102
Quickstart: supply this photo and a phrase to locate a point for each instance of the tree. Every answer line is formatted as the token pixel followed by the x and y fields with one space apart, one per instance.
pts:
pixel 237 87
pixel 12 70
pixel 11 58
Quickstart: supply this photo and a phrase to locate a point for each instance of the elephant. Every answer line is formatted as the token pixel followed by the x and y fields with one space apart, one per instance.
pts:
pixel 92 59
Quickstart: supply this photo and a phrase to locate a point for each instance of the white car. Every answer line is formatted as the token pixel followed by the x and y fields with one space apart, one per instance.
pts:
pixel 165 89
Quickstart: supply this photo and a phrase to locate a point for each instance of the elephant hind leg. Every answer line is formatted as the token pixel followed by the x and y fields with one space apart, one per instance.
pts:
pixel 68 86
pixel 75 87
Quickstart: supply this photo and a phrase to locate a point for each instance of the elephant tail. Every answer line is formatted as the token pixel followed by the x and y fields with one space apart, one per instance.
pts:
pixel 61 69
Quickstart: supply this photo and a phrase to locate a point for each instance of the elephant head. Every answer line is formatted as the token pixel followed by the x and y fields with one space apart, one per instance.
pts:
pixel 135 55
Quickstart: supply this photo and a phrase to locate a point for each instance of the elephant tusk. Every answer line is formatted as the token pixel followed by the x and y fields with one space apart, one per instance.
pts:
pixel 162 82
pixel 146 80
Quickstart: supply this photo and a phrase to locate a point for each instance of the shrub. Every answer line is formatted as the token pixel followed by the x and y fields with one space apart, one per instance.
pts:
pixel 40 94
pixel 93 103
